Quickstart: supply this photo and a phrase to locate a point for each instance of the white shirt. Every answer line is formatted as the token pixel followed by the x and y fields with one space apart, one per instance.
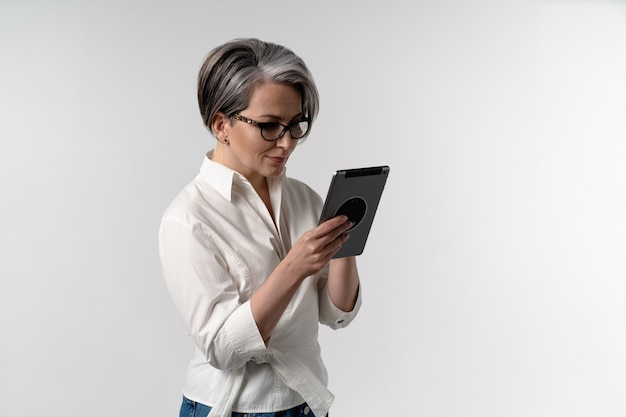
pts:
pixel 218 244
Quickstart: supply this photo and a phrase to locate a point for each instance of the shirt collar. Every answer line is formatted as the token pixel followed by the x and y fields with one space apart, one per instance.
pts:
pixel 222 178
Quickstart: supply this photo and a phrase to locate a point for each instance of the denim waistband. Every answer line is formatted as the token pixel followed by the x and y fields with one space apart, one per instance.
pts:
pixel 191 408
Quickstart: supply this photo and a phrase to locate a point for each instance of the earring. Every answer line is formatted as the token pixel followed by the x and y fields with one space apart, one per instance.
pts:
pixel 225 140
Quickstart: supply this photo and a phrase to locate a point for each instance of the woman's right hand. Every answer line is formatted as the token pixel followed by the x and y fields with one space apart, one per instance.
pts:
pixel 316 247
pixel 311 252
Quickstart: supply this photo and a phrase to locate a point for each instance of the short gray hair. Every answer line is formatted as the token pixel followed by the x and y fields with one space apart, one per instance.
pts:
pixel 232 70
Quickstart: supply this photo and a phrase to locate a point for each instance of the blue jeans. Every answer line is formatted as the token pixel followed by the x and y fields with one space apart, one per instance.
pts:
pixel 193 409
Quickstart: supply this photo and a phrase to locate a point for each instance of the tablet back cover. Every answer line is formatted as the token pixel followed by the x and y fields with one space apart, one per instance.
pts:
pixel 355 193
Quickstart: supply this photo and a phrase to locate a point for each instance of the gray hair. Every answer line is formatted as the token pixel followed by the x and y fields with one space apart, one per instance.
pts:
pixel 232 70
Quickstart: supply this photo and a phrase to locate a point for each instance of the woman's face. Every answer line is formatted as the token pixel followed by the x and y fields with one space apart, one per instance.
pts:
pixel 247 152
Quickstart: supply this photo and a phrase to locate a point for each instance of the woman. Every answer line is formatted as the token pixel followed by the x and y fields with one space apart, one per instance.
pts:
pixel 246 264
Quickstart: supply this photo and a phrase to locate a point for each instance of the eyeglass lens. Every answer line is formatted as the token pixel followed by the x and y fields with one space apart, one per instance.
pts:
pixel 274 131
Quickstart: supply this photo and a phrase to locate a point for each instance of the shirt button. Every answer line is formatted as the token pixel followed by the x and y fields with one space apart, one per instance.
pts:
pixel 306 410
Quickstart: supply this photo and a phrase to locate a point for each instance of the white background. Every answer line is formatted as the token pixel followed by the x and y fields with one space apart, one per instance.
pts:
pixel 494 279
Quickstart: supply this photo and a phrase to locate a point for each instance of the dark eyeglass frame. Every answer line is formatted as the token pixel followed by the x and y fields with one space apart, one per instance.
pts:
pixel 266 125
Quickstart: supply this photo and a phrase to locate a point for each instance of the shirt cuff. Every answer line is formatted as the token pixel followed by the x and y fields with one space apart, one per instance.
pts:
pixel 243 334
pixel 334 316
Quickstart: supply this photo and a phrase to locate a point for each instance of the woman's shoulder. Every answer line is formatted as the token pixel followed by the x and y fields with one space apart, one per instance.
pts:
pixel 197 201
pixel 295 186
pixel 300 196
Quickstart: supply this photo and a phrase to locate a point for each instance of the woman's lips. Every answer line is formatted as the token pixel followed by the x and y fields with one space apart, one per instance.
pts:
pixel 277 159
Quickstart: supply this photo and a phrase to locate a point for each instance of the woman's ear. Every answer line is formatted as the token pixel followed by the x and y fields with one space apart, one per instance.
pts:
pixel 219 125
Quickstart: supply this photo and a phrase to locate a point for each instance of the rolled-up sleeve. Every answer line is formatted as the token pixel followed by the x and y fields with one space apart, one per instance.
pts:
pixel 330 314
pixel 198 275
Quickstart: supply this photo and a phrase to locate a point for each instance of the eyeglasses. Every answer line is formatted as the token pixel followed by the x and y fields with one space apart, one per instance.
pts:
pixel 272 131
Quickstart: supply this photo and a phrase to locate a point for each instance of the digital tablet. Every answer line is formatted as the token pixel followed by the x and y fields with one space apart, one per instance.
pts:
pixel 355 193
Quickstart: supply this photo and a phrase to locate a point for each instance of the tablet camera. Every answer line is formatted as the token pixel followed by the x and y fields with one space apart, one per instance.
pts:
pixel 355 209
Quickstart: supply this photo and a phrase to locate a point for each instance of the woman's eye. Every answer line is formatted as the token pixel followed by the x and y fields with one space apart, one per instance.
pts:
pixel 296 129
pixel 271 127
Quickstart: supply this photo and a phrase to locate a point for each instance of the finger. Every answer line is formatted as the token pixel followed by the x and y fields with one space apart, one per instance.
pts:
pixel 340 231
pixel 335 245
pixel 342 228
pixel 330 225
pixel 334 235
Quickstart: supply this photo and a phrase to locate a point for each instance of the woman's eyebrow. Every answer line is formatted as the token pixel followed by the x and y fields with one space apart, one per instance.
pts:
pixel 278 118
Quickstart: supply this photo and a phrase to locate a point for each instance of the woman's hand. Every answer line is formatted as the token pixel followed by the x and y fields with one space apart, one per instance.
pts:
pixel 307 256
pixel 316 247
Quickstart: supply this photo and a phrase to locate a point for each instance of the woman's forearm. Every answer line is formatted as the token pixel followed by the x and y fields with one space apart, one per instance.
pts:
pixel 343 283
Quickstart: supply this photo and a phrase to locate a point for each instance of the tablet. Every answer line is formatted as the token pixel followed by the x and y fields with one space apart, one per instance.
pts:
pixel 355 193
